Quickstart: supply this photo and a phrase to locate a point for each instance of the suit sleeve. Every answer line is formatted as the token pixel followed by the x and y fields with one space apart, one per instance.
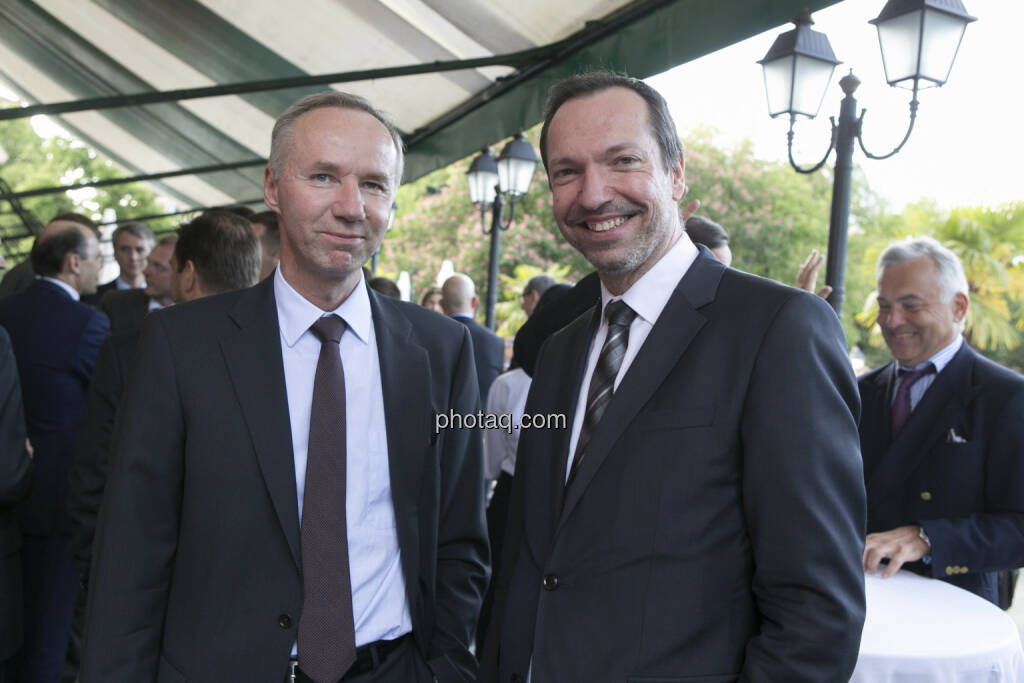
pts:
pixel 991 539
pixel 96 330
pixel 462 549
pixel 138 524
pixel 15 463
pixel 804 499
pixel 88 475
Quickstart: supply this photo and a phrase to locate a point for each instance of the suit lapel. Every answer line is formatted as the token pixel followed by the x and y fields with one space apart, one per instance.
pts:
pixel 253 358
pixel 405 382
pixel 876 418
pixel 668 340
pixel 929 424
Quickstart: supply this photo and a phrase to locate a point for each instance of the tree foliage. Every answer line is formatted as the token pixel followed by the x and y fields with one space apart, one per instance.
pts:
pixel 35 161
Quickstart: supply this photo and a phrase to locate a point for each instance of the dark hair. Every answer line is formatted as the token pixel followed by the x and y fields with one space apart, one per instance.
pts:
pixel 538 283
pixel 385 286
pixel 239 210
pixel 662 126
pixel 429 292
pixel 223 250
pixel 707 232
pixel 48 254
pixel 271 237
pixel 140 230
pixel 72 217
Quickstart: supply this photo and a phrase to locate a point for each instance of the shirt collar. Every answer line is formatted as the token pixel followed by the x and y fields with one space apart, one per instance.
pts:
pixel 296 314
pixel 72 292
pixel 942 357
pixel 649 295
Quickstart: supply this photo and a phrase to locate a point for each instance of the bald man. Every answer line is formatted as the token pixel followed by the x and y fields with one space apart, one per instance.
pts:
pixel 459 300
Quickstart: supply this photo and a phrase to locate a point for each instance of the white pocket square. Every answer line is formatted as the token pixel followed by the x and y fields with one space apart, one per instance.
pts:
pixel 953 437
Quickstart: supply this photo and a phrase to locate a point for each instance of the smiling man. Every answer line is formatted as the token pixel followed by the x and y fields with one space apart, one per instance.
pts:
pixel 296 518
pixel 941 434
pixel 702 517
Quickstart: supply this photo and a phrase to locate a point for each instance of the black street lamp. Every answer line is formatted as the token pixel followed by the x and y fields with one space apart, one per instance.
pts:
pixel 488 180
pixel 919 40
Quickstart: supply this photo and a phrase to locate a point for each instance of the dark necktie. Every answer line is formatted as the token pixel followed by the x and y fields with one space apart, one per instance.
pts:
pixel 901 403
pixel 327 645
pixel 602 382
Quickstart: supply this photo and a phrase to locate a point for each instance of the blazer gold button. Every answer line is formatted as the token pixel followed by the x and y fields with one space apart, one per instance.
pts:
pixel 550 582
pixel 284 621
pixel 949 571
pixel 926 495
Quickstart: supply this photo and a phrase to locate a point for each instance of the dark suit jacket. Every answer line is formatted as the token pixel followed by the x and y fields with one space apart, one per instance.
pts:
pixel 488 353
pixel 96 298
pixel 714 531
pixel 15 466
pixel 197 574
pixel 968 495
pixel 126 308
pixel 55 341
pixel 17 278
pixel 89 472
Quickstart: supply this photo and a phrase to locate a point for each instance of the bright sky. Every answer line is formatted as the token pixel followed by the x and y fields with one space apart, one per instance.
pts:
pixel 966 141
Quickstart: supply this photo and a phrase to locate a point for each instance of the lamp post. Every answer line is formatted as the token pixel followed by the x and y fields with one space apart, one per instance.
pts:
pixel 489 181
pixel 919 40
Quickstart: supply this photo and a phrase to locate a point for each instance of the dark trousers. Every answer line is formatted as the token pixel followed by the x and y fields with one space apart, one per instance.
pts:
pixel 50 584
pixel 404 665
pixel 497 516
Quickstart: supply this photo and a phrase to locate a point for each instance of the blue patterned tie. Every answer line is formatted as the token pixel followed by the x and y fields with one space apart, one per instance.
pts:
pixel 602 383
pixel 327 640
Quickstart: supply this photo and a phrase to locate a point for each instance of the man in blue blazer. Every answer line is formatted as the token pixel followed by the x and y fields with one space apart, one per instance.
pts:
pixel 55 340
pixel 942 433
pixel 699 515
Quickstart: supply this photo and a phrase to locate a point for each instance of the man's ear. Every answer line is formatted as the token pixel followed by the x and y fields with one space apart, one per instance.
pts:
pixel 960 305
pixel 475 302
pixel 678 175
pixel 72 263
pixel 190 280
pixel 269 189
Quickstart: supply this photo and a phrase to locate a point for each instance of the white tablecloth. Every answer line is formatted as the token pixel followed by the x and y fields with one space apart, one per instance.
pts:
pixel 922 630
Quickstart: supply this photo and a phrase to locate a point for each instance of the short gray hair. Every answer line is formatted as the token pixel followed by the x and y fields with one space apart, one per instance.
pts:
pixel 280 138
pixel 951 272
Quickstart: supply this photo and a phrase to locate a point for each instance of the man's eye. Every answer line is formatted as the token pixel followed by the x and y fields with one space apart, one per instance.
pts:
pixel 321 177
pixel 626 160
pixel 375 186
pixel 563 172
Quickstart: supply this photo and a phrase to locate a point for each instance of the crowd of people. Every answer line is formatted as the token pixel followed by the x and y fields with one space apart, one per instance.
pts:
pixel 226 464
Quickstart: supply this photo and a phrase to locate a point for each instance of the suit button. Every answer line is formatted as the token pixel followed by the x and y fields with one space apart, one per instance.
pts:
pixel 926 495
pixel 516 678
pixel 284 621
pixel 550 582
pixel 949 571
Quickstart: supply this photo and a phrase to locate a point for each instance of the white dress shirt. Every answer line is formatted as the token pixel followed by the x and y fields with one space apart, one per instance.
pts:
pixel 648 297
pixel 940 360
pixel 507 396
pixel 379 604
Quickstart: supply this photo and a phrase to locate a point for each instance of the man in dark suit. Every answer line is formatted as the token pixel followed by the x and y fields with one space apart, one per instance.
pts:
pixel 15 467
pixel 132 243
pixel 55 340
pixel 211 254
pixel 128 308
pixel 459 300
pixel 699 516
pixel 941 433
pixel 22 275
pixel 242 420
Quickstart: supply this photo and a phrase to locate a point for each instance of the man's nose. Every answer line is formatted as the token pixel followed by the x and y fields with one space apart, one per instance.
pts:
pixel 594 189
pixel 348 200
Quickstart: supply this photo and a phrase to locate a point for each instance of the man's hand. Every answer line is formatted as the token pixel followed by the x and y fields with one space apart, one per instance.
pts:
pixel 807 276
pixel 900 545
